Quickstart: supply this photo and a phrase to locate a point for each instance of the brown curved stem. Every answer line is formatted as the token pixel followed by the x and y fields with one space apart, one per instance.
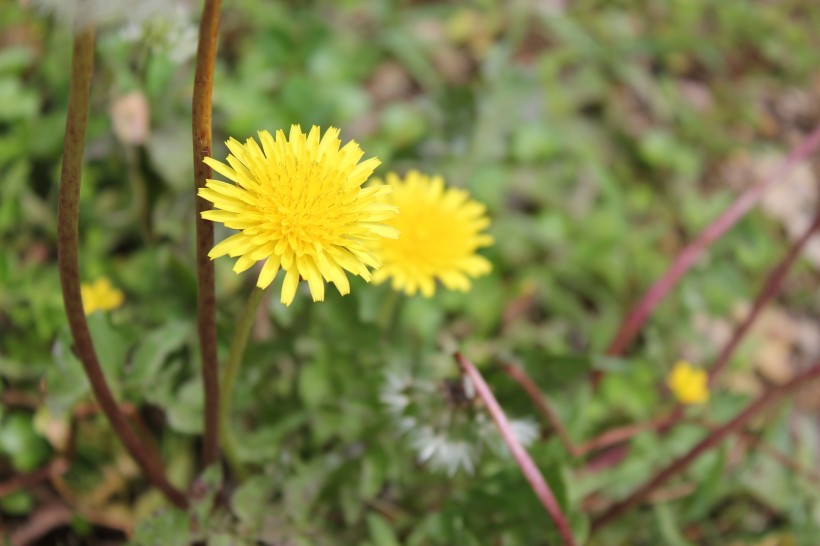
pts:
pixel 636 317
pixel 531 473
pixel 67 238
pixel 206 298
pixel 713 439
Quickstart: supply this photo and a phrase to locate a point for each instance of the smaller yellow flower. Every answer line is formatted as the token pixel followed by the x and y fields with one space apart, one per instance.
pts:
pixel 689 385
pixel 100 296
pixel 440 231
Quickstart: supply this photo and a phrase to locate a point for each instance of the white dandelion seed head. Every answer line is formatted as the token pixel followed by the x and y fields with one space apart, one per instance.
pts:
pixel 394 390
pixel 525 430
pixel 442 453
pixel 166 25
pixel 81 14
pixel 443 422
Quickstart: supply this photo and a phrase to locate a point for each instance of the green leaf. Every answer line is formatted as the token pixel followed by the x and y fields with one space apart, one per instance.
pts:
pixel 185 411
pixel 16 101
pixel 66 382
pixel 251 501
pixel 153 351
pixel 19 503
pixel 112 345
pixel 709 487
pixel 380 531
pixel 668 527
pixel 24 445
pixel 314 383
pixel 169 527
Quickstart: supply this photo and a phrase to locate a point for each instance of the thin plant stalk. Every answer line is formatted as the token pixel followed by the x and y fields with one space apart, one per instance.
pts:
pixel 206 298
pixel 621 434
pixel 541 403
pixel 238 345
pixel 68 212
pixel 531 473
pixel 605 439
pixel 756 443
pixel 710 441
pixel 636 317
pixel 770 288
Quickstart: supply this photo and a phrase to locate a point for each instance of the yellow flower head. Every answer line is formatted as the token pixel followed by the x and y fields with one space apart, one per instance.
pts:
pixel 689 385
pixel 298 204
pixel 100 296
pixel 440 231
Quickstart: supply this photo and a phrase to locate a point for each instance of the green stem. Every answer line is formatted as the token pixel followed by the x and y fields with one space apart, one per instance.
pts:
pixel 240 341
pixel 206 298
pixel 68 212
pixel 389 315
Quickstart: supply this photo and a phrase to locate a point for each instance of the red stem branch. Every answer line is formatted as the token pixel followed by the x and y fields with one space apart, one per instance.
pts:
pixel 621 434
pixel 756 442
pixel 636 317
pixel 531 473
pixel 713 439
pixel 206 298
pixel 770 288
pixel 541 404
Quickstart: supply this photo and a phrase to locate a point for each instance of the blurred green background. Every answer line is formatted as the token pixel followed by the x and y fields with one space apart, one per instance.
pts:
pixel 601 135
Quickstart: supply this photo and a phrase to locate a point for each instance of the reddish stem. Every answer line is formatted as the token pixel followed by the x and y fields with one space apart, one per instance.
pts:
pixel 689 255
pixel 756 442
pixel 531 473
pixel 542 405
pixel 206 298
pixel 770 288
pixel 710 441
pixel 606 439
pixel 621 434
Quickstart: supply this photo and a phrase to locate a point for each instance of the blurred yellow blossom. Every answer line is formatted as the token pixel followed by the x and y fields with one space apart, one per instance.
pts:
pixel 100 296
pixel 440 231
pixel 690 385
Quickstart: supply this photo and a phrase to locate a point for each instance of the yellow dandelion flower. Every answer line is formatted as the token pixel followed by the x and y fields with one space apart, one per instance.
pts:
pixel 100 296
pixel 440 231
pixel 298 205
pixel 689 385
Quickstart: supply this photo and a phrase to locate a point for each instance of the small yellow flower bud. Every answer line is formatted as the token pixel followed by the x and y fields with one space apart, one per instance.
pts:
pixel 689 385
pixel 100 296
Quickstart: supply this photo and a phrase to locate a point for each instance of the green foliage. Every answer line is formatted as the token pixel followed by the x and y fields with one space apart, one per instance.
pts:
pixel 595 133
